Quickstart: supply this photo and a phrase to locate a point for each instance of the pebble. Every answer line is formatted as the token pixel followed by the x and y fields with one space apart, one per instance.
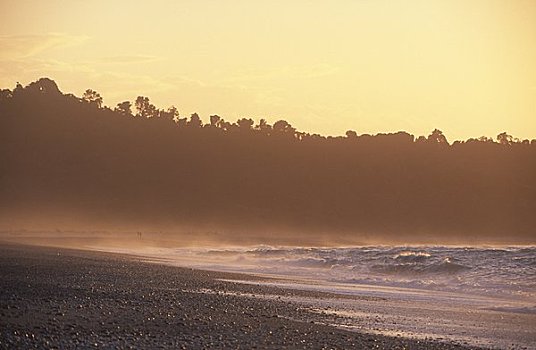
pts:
pixel 132 304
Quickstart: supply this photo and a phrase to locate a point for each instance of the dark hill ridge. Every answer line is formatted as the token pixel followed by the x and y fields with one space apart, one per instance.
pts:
pixel 64 156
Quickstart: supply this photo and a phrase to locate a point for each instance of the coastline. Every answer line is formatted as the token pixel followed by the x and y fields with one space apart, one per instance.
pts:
pixel 67 298
pixel 476 320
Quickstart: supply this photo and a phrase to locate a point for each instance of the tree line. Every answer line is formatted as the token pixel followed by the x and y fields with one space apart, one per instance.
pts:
pixel 139 164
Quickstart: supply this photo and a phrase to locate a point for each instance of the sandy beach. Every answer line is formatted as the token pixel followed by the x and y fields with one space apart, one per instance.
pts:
pixel 64 298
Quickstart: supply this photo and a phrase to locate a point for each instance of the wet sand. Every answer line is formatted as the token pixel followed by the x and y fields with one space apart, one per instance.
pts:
pixel 428 315
pixel 65 298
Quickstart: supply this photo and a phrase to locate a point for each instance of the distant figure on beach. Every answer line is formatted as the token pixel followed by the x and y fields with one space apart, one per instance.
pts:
pixel 139 235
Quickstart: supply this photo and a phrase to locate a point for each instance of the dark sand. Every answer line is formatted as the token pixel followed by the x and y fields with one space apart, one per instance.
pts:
pixel 62 298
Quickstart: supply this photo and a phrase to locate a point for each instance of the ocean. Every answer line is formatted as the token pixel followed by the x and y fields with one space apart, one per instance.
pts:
pixel 479 296
pixel 506 272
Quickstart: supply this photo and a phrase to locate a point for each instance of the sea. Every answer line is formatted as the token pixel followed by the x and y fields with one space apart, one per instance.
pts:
pixel 506 272
pixel 477 296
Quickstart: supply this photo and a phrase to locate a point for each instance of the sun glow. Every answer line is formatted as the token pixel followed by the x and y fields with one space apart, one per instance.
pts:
pixel 371 66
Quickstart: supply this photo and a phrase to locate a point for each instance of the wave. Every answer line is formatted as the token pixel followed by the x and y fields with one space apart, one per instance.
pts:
pixel 517 310
pixel 409 256
pixel 505 271
pixel 446 266
pixel 311 262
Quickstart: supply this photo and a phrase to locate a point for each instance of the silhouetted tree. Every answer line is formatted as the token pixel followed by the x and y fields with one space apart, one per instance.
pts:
pixel 124 108
pixel 182 122
pixel 245 124
pixel 505 139
pixel 225 125
pixel 172 113
pixel 195 121
pixel 215 121
pixel 102 163
pixel 485 139
pixel 283 127
pixel 351 134
pixel 42 86
pixel 18 89
pixel 5 94
pixel 92 97
pixel 263 126
pixel 437 137
pixel 145 108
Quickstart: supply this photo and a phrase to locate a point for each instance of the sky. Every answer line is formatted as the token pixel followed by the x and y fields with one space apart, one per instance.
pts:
pixel 465 67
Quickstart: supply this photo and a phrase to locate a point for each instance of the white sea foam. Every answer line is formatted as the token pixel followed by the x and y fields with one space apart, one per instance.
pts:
pixel 502 272
pixel 482 296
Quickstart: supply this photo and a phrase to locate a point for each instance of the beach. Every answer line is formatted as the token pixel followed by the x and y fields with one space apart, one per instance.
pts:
pixel 67 298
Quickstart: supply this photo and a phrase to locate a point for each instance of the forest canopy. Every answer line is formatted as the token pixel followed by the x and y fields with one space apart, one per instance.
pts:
pixel 138 164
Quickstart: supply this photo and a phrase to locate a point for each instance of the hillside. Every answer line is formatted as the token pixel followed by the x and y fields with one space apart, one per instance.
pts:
pixel 68 160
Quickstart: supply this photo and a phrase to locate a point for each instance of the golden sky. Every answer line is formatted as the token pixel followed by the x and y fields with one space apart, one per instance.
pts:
pixel 465 67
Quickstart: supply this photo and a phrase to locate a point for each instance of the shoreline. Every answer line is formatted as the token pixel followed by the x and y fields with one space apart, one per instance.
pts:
pixel 66 298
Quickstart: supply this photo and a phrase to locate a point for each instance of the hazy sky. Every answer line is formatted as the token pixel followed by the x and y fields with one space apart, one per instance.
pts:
pixel 465 67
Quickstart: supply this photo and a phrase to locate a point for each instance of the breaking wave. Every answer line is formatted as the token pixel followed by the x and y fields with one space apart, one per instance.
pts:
pixel 444 267
pixel 506 271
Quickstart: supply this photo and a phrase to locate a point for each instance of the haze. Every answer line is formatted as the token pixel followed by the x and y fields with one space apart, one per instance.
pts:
pixel 71 163
pixel 466 68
